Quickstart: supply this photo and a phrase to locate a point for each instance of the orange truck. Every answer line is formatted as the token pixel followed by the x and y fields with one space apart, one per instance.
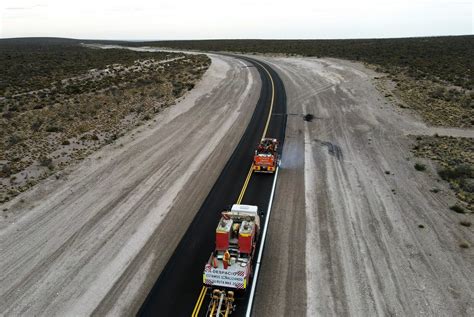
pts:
pixel 265 159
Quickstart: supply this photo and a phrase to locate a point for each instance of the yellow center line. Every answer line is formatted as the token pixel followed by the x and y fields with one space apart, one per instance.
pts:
pixel 271 102
pixel 242 192
pixel 249 175
pixel 197 307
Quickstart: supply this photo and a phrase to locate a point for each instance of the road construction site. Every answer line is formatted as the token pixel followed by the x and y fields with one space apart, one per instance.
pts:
pixel 354 229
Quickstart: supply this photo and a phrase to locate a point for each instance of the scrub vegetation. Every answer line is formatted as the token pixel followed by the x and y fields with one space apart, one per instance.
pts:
pixel 455 160
pixel 59 101
pixel 433 75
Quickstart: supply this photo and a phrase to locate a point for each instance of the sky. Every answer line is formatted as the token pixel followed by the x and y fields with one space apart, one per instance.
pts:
pixel 239 19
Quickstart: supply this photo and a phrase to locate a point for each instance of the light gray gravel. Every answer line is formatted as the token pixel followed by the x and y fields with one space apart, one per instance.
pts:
pixel 344 237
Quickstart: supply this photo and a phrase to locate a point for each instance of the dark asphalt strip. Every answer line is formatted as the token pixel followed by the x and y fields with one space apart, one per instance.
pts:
pixel 176 290
pixel 259 189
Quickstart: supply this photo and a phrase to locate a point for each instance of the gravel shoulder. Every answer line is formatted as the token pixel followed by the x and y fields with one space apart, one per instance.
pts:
pixel 95 240
pixel 355 229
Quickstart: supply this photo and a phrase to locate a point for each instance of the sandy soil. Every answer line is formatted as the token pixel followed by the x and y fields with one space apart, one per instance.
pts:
pixel 355 229
pixel 95 240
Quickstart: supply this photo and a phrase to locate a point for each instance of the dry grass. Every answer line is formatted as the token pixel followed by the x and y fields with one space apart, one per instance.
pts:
pixel 438 103
pixel 455 159
pixel 45 130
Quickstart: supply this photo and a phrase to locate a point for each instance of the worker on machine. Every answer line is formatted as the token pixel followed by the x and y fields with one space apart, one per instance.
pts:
pixel 235 229
pixel 226 259
pixel 214 261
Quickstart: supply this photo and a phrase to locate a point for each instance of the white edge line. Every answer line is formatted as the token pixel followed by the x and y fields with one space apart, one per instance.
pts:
pixel 262 244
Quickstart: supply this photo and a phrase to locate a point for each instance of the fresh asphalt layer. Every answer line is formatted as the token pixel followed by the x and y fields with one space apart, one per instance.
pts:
pixel 177 289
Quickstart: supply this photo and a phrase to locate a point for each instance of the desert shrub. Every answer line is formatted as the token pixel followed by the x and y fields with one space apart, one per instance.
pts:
pixel 420 167
pixel 13 108
pixel 460 171
pixel 5 171
pixel 467 184
pixel 14 139
pixel 437 93
pixel 53 128
pixel 458 209
pixel 46 162
pixel 8 115
pixel 36 125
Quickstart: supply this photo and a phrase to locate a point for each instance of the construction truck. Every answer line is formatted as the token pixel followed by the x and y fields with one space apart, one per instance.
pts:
pixel 229 270
pixel 265 159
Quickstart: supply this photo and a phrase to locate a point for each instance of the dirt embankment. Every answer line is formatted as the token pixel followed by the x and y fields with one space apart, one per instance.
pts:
pixel 95 240
pixel 356 229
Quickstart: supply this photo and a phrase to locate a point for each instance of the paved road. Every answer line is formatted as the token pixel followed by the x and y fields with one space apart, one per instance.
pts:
pixel 177 289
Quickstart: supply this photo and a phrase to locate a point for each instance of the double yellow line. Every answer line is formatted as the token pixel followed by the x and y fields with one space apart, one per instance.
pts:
pixel 200 300
pixel 249 174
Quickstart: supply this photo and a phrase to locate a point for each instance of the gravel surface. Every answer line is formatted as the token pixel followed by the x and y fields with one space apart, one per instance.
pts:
pixel 95 240
pixel 355 229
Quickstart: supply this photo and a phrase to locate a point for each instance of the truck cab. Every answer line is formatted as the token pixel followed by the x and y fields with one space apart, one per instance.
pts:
pixel 265 159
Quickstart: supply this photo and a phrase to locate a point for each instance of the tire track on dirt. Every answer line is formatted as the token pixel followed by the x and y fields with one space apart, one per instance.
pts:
pixel 377 241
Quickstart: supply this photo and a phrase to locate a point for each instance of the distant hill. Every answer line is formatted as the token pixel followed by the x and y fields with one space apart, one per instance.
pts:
pixel 37 41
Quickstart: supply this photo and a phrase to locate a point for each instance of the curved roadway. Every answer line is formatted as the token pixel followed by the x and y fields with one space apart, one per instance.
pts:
pixel 179 290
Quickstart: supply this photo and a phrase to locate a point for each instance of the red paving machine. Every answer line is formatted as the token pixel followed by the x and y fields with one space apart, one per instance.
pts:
pixel 229 268
pixel 265 159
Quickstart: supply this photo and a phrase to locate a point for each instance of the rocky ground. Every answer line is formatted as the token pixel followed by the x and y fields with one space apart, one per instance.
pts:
pixel 356 229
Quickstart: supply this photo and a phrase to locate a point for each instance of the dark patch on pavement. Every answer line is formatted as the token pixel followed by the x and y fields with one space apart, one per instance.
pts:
pixel 308 117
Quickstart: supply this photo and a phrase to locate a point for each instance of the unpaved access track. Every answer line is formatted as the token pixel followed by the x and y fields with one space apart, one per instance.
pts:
pixel 355 229
pixel 92 241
